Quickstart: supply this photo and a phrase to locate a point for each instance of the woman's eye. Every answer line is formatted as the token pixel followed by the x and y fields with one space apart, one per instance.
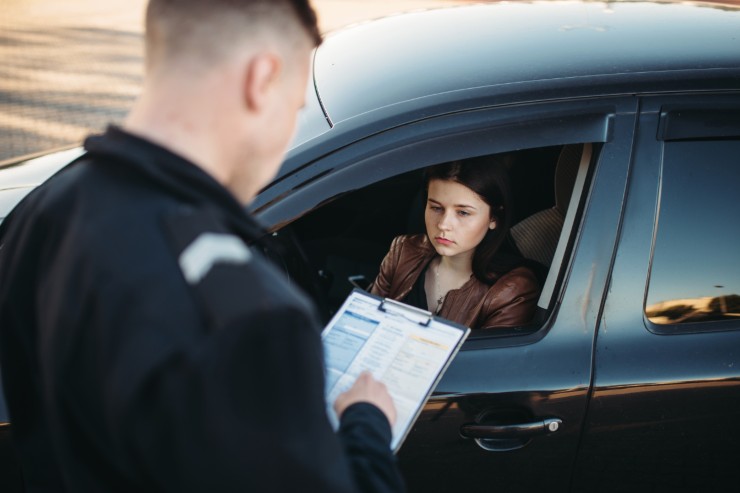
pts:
pixel 463 213
pixel 435 208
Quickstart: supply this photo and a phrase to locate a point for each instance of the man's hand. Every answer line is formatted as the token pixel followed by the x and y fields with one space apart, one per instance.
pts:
pixel 367 389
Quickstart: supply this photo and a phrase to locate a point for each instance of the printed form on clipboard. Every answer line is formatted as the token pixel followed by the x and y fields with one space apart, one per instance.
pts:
pixel 405 347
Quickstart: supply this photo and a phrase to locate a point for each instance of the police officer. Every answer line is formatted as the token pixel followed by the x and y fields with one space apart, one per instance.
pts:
pixel 145 344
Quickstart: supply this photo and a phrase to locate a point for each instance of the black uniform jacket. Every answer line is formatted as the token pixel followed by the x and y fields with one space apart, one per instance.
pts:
pixel 146 345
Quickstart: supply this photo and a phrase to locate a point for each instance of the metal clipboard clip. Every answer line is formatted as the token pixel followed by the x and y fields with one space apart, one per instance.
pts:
pixel 416 315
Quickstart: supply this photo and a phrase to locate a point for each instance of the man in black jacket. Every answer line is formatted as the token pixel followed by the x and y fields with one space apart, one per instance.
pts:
pixel 145 344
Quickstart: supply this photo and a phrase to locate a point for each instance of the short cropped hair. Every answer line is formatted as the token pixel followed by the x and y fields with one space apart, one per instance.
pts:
pixel 208 29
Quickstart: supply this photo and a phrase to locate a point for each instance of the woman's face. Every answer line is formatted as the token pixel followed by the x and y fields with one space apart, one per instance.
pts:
pixel 456 218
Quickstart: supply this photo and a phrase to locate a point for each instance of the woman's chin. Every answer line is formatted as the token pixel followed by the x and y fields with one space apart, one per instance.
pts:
pixel 445 250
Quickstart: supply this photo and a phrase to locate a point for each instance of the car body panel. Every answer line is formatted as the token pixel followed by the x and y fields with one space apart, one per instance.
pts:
pixel 664 405
pixel 18 178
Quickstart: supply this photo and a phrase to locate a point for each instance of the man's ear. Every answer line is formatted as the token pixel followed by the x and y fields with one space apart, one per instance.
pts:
pixel 261 75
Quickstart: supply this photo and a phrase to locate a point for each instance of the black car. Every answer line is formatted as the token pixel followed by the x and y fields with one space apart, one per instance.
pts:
pixel 622 125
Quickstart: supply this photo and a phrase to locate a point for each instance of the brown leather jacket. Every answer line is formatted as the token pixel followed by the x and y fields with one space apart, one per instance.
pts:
pixel 509 302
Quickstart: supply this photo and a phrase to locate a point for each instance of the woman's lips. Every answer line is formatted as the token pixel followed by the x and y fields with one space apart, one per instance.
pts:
pixel 443 241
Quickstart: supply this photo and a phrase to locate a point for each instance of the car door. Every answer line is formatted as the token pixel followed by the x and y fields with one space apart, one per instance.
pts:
pixel 508 413
pixel 666 396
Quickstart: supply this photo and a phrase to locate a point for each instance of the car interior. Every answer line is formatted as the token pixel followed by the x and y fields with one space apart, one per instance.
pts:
pixel 340 245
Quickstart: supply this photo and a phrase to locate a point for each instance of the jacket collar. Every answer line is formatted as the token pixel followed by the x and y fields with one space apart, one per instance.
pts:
pixel 172 173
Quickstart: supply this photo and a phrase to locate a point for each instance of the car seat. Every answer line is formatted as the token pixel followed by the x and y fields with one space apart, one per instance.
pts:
pixel 536 237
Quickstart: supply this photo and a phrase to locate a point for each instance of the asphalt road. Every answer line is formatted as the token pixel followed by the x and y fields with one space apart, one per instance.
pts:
pixel 69 68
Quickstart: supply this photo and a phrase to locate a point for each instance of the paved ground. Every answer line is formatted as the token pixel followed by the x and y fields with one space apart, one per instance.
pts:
pixel 70 67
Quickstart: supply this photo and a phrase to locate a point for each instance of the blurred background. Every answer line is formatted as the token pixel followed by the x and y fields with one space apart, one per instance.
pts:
pixel 71 67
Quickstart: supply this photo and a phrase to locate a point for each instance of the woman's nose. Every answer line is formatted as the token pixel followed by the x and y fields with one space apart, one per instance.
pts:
pixel 444 222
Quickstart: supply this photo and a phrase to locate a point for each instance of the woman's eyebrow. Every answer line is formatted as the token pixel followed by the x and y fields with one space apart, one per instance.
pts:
pixel 459 206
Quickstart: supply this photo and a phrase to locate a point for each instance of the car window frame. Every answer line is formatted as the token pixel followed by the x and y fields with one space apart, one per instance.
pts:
pixel 690 119
pixel 384 155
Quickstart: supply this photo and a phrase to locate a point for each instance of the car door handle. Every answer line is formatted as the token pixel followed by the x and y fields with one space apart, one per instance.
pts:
pixel 519 430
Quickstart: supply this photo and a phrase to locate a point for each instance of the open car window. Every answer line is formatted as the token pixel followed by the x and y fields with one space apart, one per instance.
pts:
pixel 344 241
pixel 338 218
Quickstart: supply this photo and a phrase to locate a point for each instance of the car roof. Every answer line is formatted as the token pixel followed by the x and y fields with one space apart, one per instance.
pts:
pixel 537 49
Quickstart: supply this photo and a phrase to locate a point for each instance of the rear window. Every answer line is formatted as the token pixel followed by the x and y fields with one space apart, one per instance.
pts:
pixel 695 273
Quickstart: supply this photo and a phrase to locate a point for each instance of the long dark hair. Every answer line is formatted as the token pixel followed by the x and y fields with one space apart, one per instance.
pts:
pixel 487 177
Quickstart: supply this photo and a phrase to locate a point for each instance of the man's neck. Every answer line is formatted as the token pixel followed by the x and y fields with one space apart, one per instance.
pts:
pixel 184 129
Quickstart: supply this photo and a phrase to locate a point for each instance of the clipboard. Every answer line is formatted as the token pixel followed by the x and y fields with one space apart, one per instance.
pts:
pixel 405 347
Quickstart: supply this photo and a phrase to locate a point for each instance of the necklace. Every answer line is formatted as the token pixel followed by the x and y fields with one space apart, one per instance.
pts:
pixel 437 289
pixel 454 282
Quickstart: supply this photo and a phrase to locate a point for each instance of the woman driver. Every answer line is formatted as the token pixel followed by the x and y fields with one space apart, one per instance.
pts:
pixel 455 270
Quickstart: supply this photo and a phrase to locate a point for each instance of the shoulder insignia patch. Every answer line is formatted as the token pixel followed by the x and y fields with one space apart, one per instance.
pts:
pixel 210 249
